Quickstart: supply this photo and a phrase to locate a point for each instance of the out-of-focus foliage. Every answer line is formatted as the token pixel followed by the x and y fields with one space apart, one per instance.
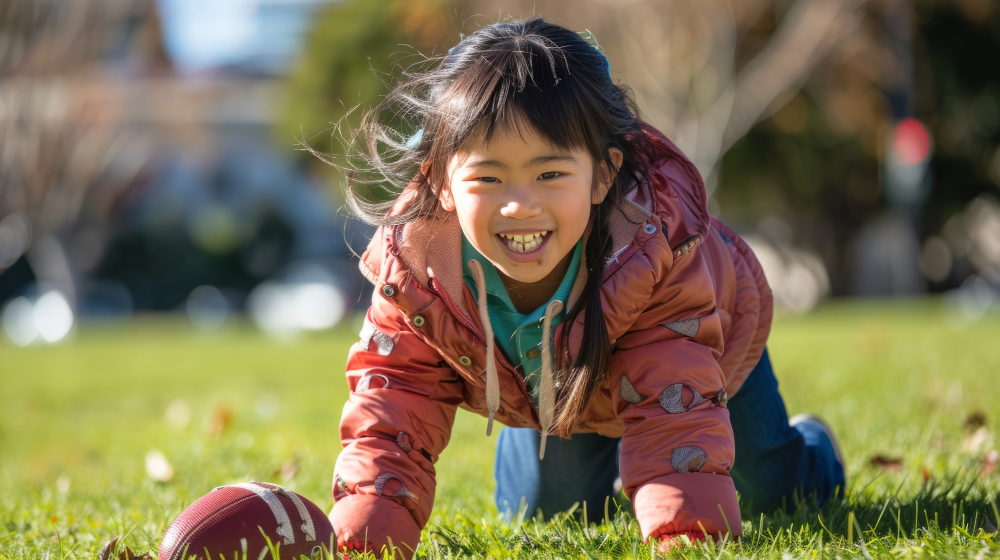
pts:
pixel 785 106
pixel 125 184
pixel 817 162
pixel 351 56
pixel 70 137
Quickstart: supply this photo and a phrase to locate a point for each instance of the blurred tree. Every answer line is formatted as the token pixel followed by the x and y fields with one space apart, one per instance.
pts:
pixel 349 61
pixel 818 162
pixel 65 150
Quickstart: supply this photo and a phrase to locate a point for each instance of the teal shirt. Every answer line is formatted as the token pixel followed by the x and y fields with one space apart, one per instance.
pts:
pixel 518 335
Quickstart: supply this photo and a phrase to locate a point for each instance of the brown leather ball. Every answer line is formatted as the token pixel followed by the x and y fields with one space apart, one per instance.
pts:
pixel 234 519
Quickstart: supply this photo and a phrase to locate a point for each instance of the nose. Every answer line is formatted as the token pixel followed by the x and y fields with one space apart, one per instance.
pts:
pixel 520 204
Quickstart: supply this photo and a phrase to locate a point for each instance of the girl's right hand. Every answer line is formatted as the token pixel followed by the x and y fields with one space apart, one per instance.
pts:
pixel 368 522
pixel 673 539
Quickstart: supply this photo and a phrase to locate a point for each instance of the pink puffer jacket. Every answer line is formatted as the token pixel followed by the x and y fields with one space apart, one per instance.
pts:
pixel 685 301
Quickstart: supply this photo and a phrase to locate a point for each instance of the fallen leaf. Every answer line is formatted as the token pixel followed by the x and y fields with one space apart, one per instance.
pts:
pixel 975 421
pixel 219 419
pixel 108 549
pixel 990 462
pixel 107 552
pixel 158 468
pixel 886 463
pixel 976 440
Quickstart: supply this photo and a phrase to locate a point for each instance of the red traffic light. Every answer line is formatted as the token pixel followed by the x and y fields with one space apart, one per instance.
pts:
pixel 911 142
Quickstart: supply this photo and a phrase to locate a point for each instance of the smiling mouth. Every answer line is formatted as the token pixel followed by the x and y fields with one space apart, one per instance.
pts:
pixel 527 243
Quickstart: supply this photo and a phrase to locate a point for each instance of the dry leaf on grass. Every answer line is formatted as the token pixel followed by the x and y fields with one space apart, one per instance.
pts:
pixel 886 463
pixel 975 421
pixel 976 440
pixel 107 552
pixel 219 419
pixel 158 468
pixel 977 433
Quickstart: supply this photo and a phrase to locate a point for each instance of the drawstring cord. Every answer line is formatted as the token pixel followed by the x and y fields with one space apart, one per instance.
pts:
pixel 547 393
pixel 492 382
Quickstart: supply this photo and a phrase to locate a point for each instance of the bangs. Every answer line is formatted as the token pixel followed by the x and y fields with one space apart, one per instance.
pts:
pixel 524 91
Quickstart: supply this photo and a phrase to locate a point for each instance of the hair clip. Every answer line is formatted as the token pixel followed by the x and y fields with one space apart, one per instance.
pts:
pixel 588 36
pixel 414 141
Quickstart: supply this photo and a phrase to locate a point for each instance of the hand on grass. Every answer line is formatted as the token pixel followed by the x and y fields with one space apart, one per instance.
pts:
pixel 674 539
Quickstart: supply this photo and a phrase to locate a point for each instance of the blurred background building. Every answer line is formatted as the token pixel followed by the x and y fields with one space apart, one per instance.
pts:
pixel 149 162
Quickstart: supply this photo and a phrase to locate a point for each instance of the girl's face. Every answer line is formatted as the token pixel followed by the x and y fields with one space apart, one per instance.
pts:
pixel 522 202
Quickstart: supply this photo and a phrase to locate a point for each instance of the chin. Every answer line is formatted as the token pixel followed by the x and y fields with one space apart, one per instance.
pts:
pixel 523 278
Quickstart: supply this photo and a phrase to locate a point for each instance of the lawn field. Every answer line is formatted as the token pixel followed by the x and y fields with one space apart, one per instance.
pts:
pixel 911 390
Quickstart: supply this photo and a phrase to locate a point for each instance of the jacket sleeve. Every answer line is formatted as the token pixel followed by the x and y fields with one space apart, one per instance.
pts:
pixel 677 448
pixel 396 422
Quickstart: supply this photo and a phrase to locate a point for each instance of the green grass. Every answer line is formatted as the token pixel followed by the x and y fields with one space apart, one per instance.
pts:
pixel 77 420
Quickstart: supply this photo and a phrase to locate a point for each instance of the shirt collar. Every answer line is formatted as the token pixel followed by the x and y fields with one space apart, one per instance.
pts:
pixel 496 292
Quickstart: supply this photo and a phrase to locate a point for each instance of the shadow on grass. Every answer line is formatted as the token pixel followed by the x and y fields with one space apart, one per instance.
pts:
pixel 960 502
pixel 953 517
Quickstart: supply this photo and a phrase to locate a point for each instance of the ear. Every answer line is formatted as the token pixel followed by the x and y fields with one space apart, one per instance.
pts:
pixel 444 195
pixel 607 176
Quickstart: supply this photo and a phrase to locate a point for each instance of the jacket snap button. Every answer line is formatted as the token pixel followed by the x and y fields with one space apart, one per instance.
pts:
pixel 388 291
pixel 465 361
pixel 418 321
pixel 650 229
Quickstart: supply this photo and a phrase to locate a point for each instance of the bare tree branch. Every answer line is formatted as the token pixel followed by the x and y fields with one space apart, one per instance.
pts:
pixel 807 34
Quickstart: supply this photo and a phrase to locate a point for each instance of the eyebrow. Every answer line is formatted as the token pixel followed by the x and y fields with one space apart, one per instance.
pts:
pixel 537 161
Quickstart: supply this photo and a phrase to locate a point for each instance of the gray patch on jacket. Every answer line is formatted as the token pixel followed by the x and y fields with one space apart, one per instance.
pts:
pixel 688 459
pixel 672 398
pixel 628 392
pixel 686 327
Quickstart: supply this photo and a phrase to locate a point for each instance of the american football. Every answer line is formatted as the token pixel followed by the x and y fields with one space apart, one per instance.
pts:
pixel 232 521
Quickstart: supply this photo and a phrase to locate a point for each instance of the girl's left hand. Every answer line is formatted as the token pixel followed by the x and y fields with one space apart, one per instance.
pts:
pixel 673 539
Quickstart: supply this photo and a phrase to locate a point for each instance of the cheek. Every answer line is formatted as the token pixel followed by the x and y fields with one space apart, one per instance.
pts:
pixel 574 210
pixel 473 213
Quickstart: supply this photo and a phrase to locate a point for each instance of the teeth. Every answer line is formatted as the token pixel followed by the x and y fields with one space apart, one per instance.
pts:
pixel 524 243
pixel 523 238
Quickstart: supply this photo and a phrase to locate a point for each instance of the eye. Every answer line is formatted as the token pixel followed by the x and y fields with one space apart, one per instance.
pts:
pixel 549 175
pixel 487 179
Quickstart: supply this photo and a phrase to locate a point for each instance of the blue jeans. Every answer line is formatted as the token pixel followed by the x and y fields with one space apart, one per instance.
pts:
pixel 774 461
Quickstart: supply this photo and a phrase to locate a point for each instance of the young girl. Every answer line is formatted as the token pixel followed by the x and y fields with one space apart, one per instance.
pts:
pixel 549 262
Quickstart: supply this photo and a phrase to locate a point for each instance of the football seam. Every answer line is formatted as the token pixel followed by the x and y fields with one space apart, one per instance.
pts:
pixel 205 519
